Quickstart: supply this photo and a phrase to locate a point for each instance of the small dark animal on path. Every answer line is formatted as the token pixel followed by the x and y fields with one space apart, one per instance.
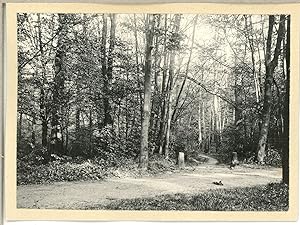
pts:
pixel 218 183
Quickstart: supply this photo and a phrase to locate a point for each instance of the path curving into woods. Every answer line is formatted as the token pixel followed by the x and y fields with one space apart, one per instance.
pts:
pixel 210 160
pixel 86 194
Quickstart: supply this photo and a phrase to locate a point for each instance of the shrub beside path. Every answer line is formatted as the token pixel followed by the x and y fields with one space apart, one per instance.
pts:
pixel 86 194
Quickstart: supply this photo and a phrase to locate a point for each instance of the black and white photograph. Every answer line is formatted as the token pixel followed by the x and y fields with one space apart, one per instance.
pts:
pixel 153 111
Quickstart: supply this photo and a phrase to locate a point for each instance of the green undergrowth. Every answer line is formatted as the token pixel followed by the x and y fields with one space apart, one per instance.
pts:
pixel 272 158
pixel 271 197
pixel 66 169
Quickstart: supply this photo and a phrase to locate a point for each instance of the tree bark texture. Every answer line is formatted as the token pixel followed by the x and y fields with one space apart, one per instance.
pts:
pixel 58 90
pixel 285 149
pixel 270 64
pixel 107 67
pixel 43 109
pixel 143 161
pixel 170 96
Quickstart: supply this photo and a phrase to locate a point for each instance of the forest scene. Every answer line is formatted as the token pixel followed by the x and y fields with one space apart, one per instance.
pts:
pixel 153 111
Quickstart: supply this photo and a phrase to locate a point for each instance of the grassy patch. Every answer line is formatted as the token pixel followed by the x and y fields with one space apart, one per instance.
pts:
pixel 271 197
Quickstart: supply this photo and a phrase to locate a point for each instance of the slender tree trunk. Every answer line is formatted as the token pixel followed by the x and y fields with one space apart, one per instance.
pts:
pixel 107 67
pixel 204 136
pixel 43 110
pixel 187 69
pixel 104 72
pixel 156 105
pixel 171 77
pixel 211 130
pixel 251 44
pixel 216 122
pixel 43 115
pixel 20 125
pixel 44 133
pixel 143 164
pixel 33 136
pixel 67 141
pixel 127 117
pixel 163 106
pixel 285 149
pixel 90 131
pixel 200 105
pixel 137 66
pixel 271 64
pixel 77 126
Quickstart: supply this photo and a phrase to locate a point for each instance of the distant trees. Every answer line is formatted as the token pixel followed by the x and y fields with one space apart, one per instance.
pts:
pixel 130 86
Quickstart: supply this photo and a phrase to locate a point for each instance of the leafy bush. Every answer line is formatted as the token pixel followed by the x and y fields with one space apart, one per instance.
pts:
pixel 235 140
pixel 110 148
pixel 273 157
pixel 34 155
pixel 65 168
pixel 58 171
pixel 271 197
pixel 158 164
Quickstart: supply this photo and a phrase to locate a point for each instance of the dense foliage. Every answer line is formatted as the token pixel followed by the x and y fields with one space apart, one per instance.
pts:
pixel 64 168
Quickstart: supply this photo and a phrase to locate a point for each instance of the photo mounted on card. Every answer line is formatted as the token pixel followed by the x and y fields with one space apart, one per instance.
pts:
pixel 170 112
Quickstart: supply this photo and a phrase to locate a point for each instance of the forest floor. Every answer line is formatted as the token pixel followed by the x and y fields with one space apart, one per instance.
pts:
pixel 191 180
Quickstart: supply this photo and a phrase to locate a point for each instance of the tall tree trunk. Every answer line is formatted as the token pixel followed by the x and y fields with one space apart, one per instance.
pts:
pixel 200 105
pixel 270 64
pixel 204 136
pixel 77 128
pixel 163 91
pixel 147 93
pixel 44 132
pixel 90 132
pixel 171 76
pixel 20 126
pixel 43 110
pixel 67 139
pixel 107 67
pixel 285 148
pixel 216 122
pixel 156 104
pixel 237 112
pixel 33 136
pixel 140 97
pixel 58 90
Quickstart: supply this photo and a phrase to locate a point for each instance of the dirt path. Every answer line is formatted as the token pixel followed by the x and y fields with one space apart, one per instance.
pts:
pixel 78 195
pixel 210 160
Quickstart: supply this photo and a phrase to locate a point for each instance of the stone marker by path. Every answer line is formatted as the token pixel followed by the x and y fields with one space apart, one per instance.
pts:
pixel 234 160
pixel 181 160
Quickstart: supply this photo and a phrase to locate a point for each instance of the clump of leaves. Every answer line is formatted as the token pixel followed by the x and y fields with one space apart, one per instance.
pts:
pixel 58 171
pixel 273 157
pixel 158 164
pixel 271 197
